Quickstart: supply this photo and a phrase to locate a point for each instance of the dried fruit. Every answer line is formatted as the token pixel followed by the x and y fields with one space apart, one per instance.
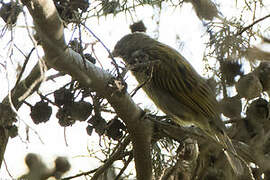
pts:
pixel 80 110
pixel 62 164
pixel 90 58
pixel 263 72
pixel 115 129
pixel 205 9
pixel 98 123
pixel 89 130
pixel 65 10
pixel 63 96
pixel 41 112
pixel 31 160
pixel 76 46
pixel 258 110
pixel 64 117
pixel 242 130
pixel 229 70
pixel 79 4
pixel 249 86
pixel 7 116
pixel 109 7
pixel 257 117
pixel 231 107
pixel 12 131
pixel 9 12
pixel 138 27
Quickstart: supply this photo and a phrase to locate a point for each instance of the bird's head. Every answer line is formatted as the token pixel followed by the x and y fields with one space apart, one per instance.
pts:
pixel 130 44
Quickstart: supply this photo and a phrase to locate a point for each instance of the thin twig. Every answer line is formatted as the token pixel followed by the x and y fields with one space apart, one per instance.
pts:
pixel 20 50
pixel 65 136
pixel 81 174
pixel 16 112
pixel 27 103
pixel 47 99
pixel 171 170
pixel 93 51
pixel 42 66
pixel 52 77
pixel 252 24
pixel 7 169
pixel 125 166
pixel 115 156
pixel 23 67
pixel 107 49
pixel 143 84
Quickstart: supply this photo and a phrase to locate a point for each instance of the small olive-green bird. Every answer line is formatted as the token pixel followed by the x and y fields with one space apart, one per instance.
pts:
pixel 175 87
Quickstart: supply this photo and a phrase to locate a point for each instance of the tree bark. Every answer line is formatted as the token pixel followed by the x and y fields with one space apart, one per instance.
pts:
pixel 50 29
pixel 16 93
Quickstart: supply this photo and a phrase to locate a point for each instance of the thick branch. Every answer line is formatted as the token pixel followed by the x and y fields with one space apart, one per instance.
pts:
pixel 58 56
pixel 16 93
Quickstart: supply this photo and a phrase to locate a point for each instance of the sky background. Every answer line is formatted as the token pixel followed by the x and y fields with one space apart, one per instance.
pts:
pixel 182 22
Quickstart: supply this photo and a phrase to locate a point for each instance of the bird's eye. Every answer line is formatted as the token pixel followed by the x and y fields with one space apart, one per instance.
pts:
pixel 132 61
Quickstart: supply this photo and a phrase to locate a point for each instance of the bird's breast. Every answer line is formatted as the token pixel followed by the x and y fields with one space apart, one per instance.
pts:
pixel 181 114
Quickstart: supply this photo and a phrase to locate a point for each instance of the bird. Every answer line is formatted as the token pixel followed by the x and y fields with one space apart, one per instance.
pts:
pixel 176 88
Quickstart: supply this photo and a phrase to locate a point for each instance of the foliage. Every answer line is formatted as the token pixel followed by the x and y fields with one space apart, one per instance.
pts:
pixel 241 85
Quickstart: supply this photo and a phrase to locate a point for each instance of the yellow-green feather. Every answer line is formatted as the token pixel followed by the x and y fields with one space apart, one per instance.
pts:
pixel 191 90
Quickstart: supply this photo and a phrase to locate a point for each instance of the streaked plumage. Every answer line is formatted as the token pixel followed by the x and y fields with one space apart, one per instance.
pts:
pixel 175 87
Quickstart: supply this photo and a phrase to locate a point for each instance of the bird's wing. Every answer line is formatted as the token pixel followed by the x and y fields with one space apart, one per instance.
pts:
pixel 191 89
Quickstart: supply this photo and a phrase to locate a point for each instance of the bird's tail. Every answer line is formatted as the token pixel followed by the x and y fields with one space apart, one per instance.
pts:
pixel 231 153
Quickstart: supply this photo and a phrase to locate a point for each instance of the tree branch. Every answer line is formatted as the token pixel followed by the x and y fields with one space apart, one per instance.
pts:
pixel 252 24
pixel 113 158
pixel 50 30
pixel 80 174
pixel 17 92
